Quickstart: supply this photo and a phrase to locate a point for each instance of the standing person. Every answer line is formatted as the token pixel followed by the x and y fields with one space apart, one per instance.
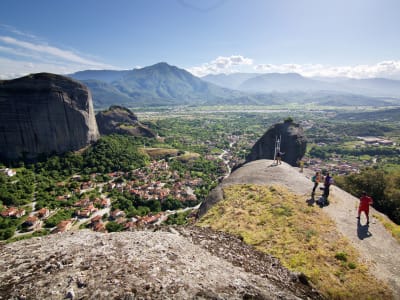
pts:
pixel 301 164
pixel 327 183
pixel 279 157
pixel 365 202
pixel 316 179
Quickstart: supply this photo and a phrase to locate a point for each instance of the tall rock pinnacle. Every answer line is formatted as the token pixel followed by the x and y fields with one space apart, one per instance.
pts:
pixel 44 113
pixel 292 143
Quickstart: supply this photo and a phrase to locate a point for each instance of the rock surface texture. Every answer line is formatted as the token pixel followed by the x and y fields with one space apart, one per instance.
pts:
pixel 44 113
pixel 293 143
pixel 121 120
pixel 171 263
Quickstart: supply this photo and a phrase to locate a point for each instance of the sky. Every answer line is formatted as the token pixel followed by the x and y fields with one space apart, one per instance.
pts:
pixel 334 38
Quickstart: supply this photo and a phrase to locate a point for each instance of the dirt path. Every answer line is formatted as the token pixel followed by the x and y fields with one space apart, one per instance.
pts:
pixel 374 242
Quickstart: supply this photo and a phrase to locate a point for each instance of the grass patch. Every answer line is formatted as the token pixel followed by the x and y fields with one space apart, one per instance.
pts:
pixel 157 153
pixel 393 228
pixel 305 239
pixel 37 233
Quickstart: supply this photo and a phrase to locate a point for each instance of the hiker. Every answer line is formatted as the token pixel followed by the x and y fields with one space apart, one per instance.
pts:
pixel 365 202
pixel 279 157
pixel 316 179
pixel 301 164
pixel 327 183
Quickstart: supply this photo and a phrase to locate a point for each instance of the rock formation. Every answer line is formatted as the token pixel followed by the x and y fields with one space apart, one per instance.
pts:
pixel 43 114
pixel 293 143
pixel 121 120
pixel 170 263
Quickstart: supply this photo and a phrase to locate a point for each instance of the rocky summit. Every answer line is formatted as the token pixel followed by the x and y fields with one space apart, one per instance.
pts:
pixel 292 143
pixel 44 113
pixel 121 120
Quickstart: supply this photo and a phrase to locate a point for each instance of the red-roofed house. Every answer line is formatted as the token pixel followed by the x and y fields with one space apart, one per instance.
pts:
pixel 63 226
pixel 43 213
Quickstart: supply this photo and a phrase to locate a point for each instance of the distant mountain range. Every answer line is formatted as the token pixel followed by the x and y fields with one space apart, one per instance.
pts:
pixel 293 82
pixel 162 84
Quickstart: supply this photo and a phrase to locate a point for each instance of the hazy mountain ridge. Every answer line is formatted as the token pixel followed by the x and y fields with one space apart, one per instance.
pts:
pixel 162 84
pixel 289 82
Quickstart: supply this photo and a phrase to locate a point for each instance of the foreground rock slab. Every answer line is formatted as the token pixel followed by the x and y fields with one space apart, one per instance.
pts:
pixel 169 263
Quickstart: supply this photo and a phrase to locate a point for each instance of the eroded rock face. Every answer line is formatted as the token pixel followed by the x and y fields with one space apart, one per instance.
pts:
pixel 293 143
pixel 121 120
pixel 44 113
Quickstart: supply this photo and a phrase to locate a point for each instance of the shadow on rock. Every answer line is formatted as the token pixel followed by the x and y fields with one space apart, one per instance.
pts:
pixel 363 230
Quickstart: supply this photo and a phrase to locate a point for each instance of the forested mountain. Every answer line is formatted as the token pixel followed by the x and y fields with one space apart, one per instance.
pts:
pixel 162 84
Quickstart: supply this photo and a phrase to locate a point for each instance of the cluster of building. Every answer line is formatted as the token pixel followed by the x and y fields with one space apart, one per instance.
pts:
pixel 148 186
pixel 376 141
pixel 335 166
pixel 12 212
pixel 85 207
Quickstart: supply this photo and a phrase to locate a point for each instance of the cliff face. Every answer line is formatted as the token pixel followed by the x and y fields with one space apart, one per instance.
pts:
pixel 44 113
pixel 120 120
pixel 293 143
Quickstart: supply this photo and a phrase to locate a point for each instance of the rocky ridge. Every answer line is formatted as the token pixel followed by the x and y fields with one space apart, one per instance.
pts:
pixel 121 120
pixel 43 114
pixel 293 143
pixel 166 263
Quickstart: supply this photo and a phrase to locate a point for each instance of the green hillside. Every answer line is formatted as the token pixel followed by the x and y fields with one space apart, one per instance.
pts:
pixel 278 222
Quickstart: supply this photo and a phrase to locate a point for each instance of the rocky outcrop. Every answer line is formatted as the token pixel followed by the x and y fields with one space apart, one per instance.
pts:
pixel 43 114
pixel 121 120
pixel 170 263
pixel 292 143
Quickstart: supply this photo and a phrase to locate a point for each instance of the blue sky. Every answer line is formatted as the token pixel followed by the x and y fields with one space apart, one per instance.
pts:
pixel 355 38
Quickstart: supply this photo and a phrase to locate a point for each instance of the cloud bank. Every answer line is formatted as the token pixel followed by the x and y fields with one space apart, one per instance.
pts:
pixel 222 64
pixel 238 63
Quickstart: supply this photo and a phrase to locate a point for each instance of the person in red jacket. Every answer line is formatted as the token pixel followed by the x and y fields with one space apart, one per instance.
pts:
pixel 365 202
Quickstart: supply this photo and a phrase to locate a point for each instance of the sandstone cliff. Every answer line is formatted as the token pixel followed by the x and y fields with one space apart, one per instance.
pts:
pixel 44 113
pixel 121 120
pixel 293 143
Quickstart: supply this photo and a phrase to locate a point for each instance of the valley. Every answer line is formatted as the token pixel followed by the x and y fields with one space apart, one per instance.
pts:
pixel 139 179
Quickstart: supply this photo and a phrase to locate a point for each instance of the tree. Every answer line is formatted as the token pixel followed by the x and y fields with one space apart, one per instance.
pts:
pixel 114 226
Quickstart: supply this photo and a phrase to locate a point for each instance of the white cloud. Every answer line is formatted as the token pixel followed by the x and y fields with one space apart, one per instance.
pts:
pixel 385 69
pixel 49 50
pixel 239 63
pixel 23 53
pixel 222 64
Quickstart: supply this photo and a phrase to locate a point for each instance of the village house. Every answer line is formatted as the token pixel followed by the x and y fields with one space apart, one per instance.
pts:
pixel 117 213
pixel 31 222
pixel 150 219
pixel 87 185
pixel 95 220
pixel 130 226
pixel 99 227
pixel 13 212
pixel 43 213
pixel 63 226
pixel 103 202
